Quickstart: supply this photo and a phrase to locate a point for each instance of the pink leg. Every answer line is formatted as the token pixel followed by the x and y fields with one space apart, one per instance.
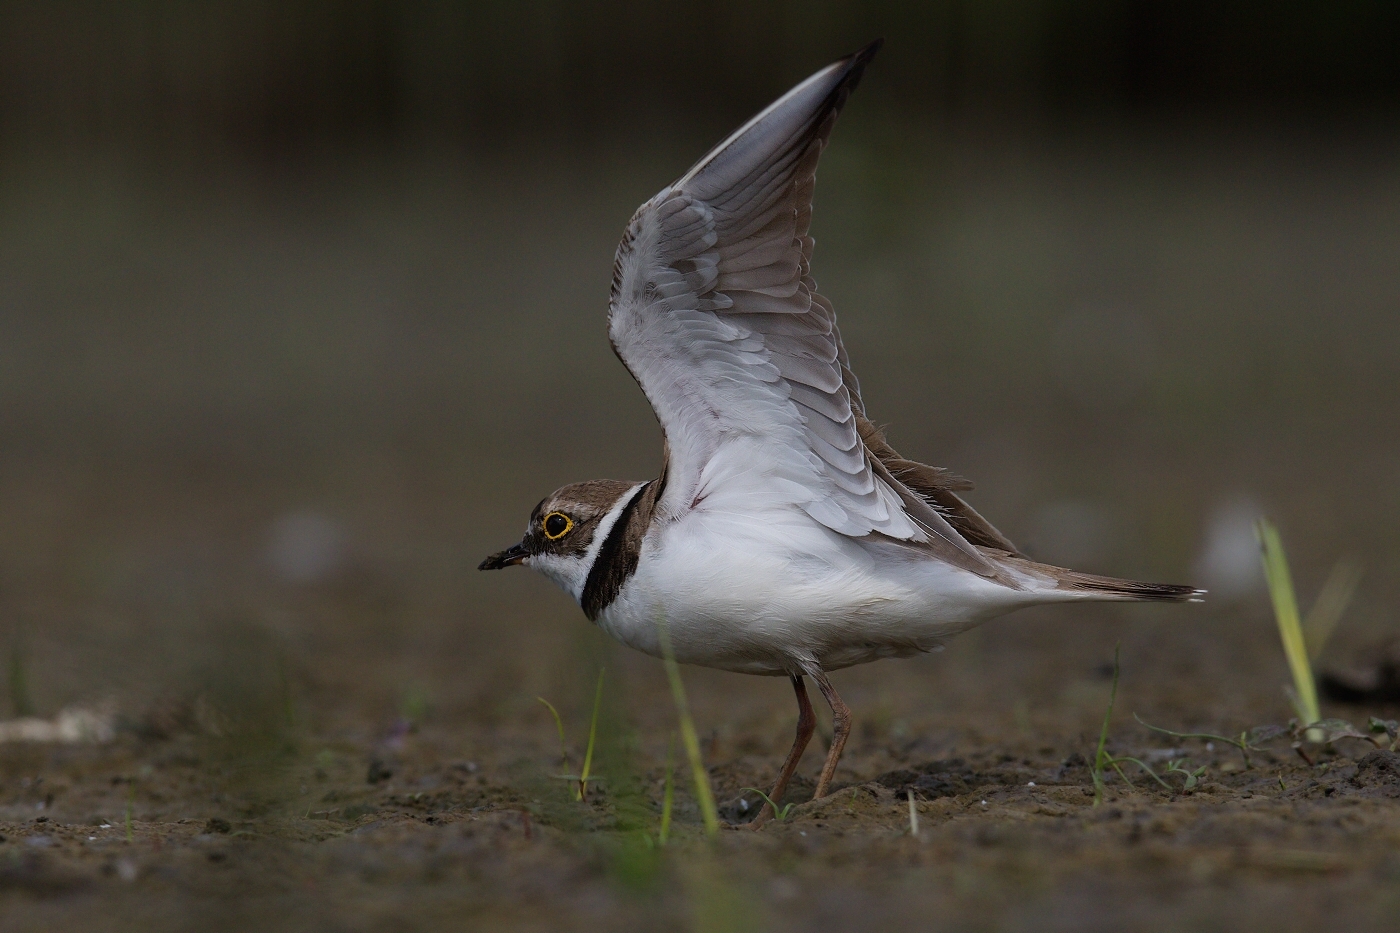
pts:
pixel 840 729
pixel 806 725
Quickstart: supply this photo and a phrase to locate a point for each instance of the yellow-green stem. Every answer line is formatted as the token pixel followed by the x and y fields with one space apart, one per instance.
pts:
pixel 1290 628
pixel 558 724
pixel 592 734
pixel 668 796
pixel 703 795
pixel 1101 755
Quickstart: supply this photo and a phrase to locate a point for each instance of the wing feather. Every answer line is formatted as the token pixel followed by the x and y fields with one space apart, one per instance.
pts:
pixel 715 313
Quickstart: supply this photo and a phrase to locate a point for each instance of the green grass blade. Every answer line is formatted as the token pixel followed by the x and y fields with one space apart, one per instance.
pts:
pixel 1101 756
pixel 1242 743
pixel 1336 595
pixel 558 724
pixel 1143 765
pixel 592 735
pixel 668 796
pixel 778 814
pixel 1289 627
pixel 21 704
pixel 703 795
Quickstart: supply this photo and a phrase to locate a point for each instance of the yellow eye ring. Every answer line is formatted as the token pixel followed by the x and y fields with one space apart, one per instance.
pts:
pixel 552 527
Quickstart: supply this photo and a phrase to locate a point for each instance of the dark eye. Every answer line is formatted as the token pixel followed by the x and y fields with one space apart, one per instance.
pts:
pixel 556 525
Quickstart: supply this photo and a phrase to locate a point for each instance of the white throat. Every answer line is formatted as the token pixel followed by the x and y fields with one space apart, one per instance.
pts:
pixel 571 572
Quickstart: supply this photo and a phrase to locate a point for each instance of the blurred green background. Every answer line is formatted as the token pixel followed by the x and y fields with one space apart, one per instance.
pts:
pixel 302 308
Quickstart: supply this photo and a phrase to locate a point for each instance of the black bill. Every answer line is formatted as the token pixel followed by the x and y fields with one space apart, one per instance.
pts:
pixel 507 558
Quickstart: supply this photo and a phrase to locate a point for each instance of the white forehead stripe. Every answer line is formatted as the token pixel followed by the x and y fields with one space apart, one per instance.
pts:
pixel 604 528
pixel 571 573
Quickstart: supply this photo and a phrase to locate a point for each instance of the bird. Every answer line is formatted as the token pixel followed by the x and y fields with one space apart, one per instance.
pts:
pixel 784 536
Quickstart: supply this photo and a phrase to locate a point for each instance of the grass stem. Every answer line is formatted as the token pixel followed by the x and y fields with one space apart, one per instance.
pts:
pixel 1102 758
pixel 558 724
pixel 1242 743
pixel 592 735
pixel 20 701
pixel 668 796
pixel 703 795
pixel 779 813
pixel 1289 627
pixel 1327 610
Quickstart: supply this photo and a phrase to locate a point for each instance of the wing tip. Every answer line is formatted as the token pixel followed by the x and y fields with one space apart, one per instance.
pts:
pixel 1135 590
pixel 862 56
pixel 1095 586
pixel 853 65
pixel 839 78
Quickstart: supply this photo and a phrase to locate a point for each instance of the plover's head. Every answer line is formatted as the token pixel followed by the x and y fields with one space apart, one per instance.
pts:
pixel 566 531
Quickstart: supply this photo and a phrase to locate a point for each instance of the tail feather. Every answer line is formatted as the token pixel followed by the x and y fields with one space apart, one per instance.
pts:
pixel 1094 586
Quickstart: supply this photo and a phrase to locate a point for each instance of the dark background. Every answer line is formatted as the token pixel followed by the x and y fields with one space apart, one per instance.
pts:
pixel 302 308
pixel 265 81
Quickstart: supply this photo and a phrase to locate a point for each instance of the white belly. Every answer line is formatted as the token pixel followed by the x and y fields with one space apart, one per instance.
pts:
pixel 764 593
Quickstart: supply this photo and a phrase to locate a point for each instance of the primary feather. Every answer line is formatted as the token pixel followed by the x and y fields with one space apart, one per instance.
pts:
pixel 715 313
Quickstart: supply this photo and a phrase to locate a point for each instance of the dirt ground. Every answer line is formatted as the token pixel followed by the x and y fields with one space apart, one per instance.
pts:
pixel 313 817
pixel 259 431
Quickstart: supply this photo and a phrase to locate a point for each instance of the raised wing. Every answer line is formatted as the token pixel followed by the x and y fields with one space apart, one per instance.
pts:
pixel 714 312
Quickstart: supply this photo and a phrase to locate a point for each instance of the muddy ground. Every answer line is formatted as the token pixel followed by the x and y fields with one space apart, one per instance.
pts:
pixel 365 824
pixel 259 428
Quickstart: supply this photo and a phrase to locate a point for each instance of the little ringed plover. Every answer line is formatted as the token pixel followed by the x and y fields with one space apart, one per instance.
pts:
pixel 784 536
